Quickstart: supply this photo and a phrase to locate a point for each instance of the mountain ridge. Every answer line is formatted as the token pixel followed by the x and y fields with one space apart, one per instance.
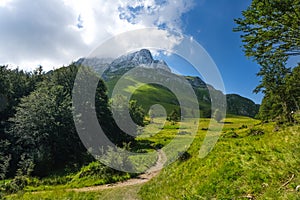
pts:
pixel 113 69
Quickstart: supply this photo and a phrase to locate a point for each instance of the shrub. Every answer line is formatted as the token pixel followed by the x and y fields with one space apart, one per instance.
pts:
pixel 174 116
pixel 17 184
pixel 118 158
pixel 255 132
pixel 231 134
pixel 243 126
pixel 183 156
pixel 95 169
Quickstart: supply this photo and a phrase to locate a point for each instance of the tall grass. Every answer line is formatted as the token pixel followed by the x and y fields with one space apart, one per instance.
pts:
pixel 240 167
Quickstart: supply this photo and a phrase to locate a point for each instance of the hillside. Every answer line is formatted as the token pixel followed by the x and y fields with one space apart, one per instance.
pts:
pixel 239 105
pixel 113 69
pixel 250 161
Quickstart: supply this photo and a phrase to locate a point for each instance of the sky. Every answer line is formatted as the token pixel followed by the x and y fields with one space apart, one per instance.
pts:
pixel 53 33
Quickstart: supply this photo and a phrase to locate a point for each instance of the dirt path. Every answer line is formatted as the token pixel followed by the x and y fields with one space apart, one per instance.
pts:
pixel 143 178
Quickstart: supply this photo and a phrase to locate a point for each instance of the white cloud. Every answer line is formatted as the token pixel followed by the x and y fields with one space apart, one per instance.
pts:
pixel 56 32
pixel 4 3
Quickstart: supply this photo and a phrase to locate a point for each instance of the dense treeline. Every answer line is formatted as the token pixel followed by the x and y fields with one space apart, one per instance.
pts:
pixel 271 30
pixel 14 85
pixel 37 130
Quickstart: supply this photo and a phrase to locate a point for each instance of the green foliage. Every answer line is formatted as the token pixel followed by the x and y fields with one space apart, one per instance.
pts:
pixel 293 88
pixel 297 116
pixel 37 120
pixel 44 133
pixel 271 28
pixel 174 116
pixel 241 106
pixel 231 134
pixel 4 159
pixel 16 185
pixel 95 168
pixel 271 36
pixel 96 173
pixel 118 158
pixel 122 108
pixel 14 84
pixel 255 131
pixel 43 126
pixel 183 156
pixel 25 166
pixel 285 101
pixel 136 112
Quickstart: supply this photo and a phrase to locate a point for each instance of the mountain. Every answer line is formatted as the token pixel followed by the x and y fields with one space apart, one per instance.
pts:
pixel 239 105
pixel 116 67
pixel 142 58
pixel 113 69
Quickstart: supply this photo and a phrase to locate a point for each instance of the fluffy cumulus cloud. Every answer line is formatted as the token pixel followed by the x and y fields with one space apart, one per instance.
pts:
pixel 55 32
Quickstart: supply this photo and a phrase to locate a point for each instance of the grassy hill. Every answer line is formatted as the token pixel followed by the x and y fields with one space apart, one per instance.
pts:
pixel 151 94
pixel 250 161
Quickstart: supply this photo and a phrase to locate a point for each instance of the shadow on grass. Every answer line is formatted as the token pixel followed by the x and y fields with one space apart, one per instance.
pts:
pixel 226 122
pixel 142 145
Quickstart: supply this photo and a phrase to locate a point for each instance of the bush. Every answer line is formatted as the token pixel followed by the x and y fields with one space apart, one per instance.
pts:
pixel 231 134
pixel 297 116
pixel 243 126
pixel 183 156
pixel 17 184
pixel 118 158
pixel 255 132
pixel 174 116
pixel 95 169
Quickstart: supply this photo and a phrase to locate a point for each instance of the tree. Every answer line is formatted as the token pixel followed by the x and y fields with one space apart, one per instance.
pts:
pixel 43 126
pixel 271 28
pixel 4 158
pixel 14 85
pixel 136 112
pixel 121 108
pixel 293 88
pixel 218 115
pixel 271 36
pixel 174 116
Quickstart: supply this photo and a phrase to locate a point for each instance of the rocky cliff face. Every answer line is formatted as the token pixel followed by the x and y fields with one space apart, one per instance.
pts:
pixel 196 82
pixel 112 67
pixel 142 58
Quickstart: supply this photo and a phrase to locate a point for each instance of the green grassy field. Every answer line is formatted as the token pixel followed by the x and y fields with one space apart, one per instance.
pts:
pixel 250 160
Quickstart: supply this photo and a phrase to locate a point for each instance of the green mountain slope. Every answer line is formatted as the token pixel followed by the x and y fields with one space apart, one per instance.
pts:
pixel 246 163
pixel 112 70
pixel 152 94
pixel 241 106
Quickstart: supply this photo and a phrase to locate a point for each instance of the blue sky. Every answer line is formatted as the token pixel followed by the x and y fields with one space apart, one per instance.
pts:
pixel 211 23
pixel 53 33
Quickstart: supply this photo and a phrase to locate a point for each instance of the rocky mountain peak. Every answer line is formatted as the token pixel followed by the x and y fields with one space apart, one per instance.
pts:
pixel 196 81
pixel 142 58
